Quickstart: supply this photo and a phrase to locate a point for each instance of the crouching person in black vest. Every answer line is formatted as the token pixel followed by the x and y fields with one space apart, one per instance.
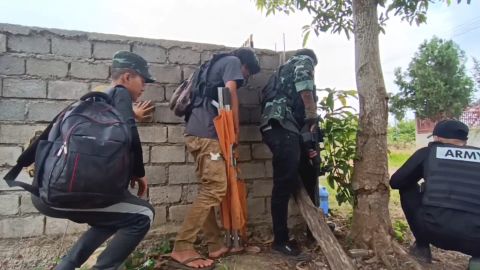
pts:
pixel 444 208
pixel 101 150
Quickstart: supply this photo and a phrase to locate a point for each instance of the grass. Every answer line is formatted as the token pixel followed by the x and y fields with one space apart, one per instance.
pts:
pixel 396 158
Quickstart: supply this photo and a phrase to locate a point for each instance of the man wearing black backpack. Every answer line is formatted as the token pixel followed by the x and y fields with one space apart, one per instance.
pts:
pixel 286 111
pixel 129 219
pixel 226 70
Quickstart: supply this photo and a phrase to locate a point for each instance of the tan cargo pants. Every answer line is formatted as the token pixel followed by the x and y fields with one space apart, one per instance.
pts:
pixel 211 172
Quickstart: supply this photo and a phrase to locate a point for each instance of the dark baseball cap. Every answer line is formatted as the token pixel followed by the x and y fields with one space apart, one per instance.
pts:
pixel 125 59
pixel 451 129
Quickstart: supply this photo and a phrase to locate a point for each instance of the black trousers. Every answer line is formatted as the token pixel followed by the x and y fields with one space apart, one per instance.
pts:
pixel 289 162
pixel 128 221
pixel 444 228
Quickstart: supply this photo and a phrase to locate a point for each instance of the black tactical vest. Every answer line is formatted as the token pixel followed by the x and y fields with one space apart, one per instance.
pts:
pixel 452 178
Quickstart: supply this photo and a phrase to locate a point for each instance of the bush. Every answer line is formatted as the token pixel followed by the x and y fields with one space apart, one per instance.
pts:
pixel 402 135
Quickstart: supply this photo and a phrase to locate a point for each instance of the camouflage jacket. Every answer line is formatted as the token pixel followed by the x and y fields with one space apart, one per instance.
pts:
pixel 287 107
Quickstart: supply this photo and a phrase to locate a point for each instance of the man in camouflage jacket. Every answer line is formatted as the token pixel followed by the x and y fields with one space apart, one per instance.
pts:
pixel 292 109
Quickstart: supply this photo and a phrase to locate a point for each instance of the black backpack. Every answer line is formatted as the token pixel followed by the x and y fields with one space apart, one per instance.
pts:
pixel 82 160
pixel 271 89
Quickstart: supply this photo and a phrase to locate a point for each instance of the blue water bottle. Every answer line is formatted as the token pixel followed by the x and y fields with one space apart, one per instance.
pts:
pixel 323 194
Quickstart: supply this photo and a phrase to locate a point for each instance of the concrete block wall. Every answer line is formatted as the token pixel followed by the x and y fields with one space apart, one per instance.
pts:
pixel 43 70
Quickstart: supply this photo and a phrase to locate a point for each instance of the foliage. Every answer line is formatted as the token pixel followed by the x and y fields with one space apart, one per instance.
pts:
pixel 397 158
pixel 139 260
pixel 400 228
pixel 340 128
pixel 435 84
pixel 402 135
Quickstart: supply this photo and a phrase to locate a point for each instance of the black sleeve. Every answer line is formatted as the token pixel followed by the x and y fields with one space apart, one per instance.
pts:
pixel 411 171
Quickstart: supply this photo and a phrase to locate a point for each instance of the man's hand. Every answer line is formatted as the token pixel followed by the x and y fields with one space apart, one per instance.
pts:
pixel 142 185
pixel 143 110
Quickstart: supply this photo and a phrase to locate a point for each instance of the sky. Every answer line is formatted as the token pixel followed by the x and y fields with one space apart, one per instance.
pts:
pixel 230 22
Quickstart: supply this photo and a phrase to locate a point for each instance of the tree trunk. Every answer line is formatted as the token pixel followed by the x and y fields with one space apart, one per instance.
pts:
pixel 371 226
pixel 336 256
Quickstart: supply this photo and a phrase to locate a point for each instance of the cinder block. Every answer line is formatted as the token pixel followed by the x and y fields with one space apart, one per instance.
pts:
pixel 67 89
pixel 258 81
pixel 10 65
pixel 160 216
pixel 255 115
pixel 55 226
pixel 176 134
pixel 244 152
pixel 89 71
pixel 46 68
pixel 153 92
pixel 250 134
pixel 268 169
pixel 244 115
pixel 163 114
pixel 261 151
pixel 166 73
pixel 188 70
pixel 190 192
pixel 44 111
pixel 168 153
pixel 21 227
pixel 169 89
pixel 177 212
pixel 3 43
pixel 269 61
pixel 9 155
pixel 181 174
pixel 183 56
pixel 70 47
pixel 12 110
pixel 252 170
pixel 102 50
pixel 165 194
pixel 153 134
pixel 248 97
pixel 256 208
pixel 156 174
pixel 18 134
pixel 151 53
pixel 26 205
pixel 22 177
pixel 146 154
pixel 9 204
pixel 24 88
pixel 29 44
pixel 261 188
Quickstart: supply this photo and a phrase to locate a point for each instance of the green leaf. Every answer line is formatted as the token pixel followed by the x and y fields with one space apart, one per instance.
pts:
pixel 305 38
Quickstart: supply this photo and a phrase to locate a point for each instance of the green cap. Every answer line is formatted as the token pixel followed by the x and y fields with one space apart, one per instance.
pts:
pixel 124 59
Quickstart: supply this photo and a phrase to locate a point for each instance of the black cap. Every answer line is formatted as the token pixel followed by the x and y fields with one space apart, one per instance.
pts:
pixel 248 57
pixel 451 129
pixel 125 59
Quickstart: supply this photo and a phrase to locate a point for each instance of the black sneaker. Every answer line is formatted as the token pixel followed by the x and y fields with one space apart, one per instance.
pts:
pixel 291 250
pixel 421 253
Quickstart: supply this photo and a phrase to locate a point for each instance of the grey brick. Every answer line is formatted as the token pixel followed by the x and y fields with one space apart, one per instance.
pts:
pixel 46 68
pixel 153 92
pixel 170 153
pixel 261 188
pixel 26 205
pixel 244 115
pixel 269 61
pixel 70 47
pixel 21 227
pixel 165 194
pixel 31 44
pixel 259 80
pixel 190 192
pixel 153 134
pixel 169 89
pixel 261 151
pixel 24 88
pixel 256 208
pixel 22 177
pixel 268 169
pixel 181 174
pixel 156 174
pixel 9 155
pixel 89 71
pixel 255 115
pixel 99 87
pixel 9 204
pixel 183 56
pixel 252 170
pixel 166 73
pixel 150 53
pixel 67 89
pixel 102 50
pixel 146 154
pixel 160 216
pixel 176 134
pixel 19 134
pixel 3 43
pixel 177 212
pixel 55 226
pixel 44 111
pixel 12 110
pixel 244 152
pixel 188 70
pixel 250 134
pixel 250 97
pixel 163 114
pixel 10 65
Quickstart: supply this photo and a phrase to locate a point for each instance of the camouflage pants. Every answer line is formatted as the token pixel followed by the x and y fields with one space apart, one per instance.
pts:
pixel 211 173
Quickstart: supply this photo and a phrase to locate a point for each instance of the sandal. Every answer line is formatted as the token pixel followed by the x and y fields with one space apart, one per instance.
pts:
pixel 183 264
